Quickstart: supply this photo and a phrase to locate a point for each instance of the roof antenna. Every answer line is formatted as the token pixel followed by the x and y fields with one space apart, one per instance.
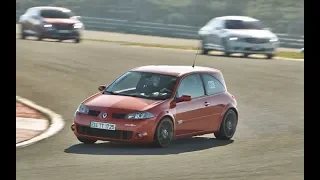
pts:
pixel 195 58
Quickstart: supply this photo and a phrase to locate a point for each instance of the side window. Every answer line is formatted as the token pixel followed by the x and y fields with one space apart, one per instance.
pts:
pixel 212 85
pixel 192 86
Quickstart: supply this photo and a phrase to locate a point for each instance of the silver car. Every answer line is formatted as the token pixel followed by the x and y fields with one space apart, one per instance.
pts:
pixel 238 34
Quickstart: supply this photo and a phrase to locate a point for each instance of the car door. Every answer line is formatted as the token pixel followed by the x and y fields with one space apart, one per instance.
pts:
pixel 215 91
pixel 191 116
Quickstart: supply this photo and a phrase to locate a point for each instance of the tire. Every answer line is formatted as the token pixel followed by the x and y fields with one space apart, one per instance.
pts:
pixel 228 126
pixel 245 55
pixel 22 34
pixel 86 141
pixel 164 133
pixel 225 47
pixel 270 56
pixel 39 37
pixel 203 50
pixel 78 40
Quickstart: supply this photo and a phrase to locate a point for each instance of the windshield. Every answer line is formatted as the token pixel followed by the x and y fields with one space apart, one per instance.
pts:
pixel 144 85
pixel 51 13
pixel 238 24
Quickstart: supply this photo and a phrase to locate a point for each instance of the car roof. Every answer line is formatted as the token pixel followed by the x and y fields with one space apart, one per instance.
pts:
pixel 241 18
pixel 51 8
pixel 174 70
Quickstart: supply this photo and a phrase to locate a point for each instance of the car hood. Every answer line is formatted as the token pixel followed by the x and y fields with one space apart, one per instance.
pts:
pixel 251 33
pixel 117 102
pixel 60 21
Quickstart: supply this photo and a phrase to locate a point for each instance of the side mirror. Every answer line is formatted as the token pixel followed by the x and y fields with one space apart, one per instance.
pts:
pixel 184 98
pixel 101 88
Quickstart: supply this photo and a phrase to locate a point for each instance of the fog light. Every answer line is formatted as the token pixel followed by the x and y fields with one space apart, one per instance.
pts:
pixel 72 127
pixel 142 134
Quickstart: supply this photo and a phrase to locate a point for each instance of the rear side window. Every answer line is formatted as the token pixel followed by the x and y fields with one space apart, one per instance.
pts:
pixel 192 86
pixel 212 85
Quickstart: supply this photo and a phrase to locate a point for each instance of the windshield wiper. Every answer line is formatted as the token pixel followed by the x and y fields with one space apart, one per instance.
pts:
pixel 111 92
pixel 131 95
pixel 114 93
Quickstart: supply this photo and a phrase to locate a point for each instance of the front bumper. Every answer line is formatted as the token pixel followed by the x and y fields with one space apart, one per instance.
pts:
pixel 249 48
pixel 252 48
pixel 61 34
pixel 137 131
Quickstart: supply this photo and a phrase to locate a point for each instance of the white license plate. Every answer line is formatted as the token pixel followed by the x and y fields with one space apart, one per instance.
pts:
pixel 100 125
pixel 64 31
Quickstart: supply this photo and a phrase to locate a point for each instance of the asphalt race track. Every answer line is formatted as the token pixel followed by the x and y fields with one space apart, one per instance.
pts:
pixel 268 143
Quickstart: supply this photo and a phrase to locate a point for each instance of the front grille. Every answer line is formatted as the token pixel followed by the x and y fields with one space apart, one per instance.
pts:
pixel 117 134
pixel 256 40
pixel 63 26
pixel 93 113
pixel 114 115
pixel 118 116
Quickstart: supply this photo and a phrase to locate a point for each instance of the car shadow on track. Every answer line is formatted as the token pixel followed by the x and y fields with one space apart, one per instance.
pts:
pixel 176 147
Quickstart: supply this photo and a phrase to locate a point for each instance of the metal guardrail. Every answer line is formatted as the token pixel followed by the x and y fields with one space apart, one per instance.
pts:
pixel 167 30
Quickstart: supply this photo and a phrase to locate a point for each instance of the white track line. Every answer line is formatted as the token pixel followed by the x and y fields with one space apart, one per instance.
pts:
pixel 56 122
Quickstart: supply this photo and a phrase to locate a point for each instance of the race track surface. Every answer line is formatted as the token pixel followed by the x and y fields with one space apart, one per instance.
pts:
pixel 268 143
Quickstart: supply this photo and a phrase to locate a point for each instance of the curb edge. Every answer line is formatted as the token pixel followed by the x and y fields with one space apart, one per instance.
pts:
pixel 56 123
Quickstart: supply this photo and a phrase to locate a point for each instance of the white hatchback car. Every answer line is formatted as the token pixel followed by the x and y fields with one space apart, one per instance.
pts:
pixel 238 34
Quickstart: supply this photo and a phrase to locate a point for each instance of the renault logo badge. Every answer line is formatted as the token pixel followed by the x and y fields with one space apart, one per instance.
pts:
pixel 104 115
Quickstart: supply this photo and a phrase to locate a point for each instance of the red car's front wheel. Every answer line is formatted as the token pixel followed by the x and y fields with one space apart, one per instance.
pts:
pixel 164 133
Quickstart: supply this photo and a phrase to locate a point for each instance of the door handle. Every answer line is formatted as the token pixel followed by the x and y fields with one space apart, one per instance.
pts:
pixel 206 104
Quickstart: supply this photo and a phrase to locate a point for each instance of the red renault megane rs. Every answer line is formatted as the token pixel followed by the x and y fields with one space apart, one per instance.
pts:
pixel 156 104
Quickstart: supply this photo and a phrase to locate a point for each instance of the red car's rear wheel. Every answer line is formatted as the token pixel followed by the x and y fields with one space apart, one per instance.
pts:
pixel 228 126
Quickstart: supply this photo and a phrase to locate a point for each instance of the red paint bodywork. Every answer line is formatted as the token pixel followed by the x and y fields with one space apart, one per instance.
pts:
pixel 198 119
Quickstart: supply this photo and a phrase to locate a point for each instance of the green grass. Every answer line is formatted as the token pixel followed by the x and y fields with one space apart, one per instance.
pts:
pixel 293 55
